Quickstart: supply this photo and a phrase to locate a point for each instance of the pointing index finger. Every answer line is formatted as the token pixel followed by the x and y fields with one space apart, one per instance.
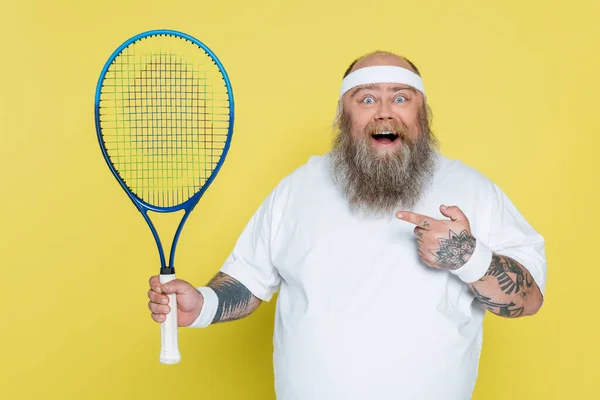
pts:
pixel 420 220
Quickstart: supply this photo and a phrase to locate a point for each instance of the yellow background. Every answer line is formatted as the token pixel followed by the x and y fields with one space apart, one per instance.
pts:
pixel 514 90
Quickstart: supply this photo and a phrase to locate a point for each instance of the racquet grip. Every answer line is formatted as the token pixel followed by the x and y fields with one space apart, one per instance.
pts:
pixel 169 351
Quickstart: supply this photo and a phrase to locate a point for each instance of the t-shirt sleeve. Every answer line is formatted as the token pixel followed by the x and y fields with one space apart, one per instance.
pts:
pixel 250 260
pixel 512 236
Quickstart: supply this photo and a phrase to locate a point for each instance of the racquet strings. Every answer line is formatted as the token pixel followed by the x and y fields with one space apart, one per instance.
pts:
pixel 164 118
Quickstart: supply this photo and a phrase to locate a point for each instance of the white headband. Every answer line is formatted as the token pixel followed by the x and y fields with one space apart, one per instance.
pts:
pixel 382 74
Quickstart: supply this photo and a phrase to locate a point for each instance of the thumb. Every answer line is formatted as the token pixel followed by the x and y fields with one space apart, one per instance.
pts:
pixel 454 213
pixel 177 286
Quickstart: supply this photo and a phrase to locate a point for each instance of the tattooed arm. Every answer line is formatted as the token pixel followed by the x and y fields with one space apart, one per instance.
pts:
pixel 235 300
pixel 507 289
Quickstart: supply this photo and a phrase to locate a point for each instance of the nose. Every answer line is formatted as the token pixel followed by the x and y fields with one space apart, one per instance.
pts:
pixel 384 111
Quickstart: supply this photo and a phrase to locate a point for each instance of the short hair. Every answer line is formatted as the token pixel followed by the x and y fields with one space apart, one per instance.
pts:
pixel 413 66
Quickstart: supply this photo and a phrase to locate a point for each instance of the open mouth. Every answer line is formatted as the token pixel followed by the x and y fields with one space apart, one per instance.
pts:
pixel 385 137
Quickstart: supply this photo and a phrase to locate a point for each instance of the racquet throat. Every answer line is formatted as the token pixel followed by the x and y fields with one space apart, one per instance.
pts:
pixel 167 271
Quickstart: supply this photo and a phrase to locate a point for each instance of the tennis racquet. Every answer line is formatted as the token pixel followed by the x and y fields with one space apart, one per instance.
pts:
pixel 164 116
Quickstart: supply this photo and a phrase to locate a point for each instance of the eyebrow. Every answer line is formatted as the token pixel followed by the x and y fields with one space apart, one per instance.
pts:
pixel 372 86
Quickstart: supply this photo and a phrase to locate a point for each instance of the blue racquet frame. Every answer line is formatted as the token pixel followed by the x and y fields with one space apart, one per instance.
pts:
pixel 189 204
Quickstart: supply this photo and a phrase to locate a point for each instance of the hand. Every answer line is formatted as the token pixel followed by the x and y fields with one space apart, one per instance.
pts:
pixel 443 244
pixel 189 300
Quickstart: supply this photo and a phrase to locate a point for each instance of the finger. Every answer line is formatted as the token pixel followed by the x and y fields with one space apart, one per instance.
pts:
pixel 158 308
pixel 154 283
pixel 177 286
pixel 158 317
pixel 418 219
pixel 454 213
pixel 419 232
pixel 157 297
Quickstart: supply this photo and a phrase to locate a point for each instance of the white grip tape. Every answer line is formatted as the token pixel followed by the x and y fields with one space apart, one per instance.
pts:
pixel 169 351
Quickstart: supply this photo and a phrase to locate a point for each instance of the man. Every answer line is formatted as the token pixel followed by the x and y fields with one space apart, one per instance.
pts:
pixel 384 252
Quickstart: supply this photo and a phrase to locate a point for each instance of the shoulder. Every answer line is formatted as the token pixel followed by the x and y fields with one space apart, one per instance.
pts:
pixel 316 165
pixel 312 172
pixel 314 169
pixel 457 172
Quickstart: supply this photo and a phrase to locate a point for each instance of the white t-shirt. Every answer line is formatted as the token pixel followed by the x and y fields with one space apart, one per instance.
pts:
pixel 359 315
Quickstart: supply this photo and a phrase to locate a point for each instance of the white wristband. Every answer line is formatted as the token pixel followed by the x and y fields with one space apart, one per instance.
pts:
pixel 209 308
pixel 477 266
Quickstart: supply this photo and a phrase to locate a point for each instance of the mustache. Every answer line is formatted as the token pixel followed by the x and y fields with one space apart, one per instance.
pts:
pixel 395 127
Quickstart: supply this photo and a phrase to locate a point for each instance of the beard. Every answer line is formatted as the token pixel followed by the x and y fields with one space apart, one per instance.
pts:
pixel 378 184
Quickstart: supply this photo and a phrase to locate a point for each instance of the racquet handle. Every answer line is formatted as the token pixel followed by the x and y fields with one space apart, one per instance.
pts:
pixel 169 351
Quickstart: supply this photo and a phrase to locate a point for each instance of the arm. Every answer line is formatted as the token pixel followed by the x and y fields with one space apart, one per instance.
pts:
pixel 507 289
pixel 247 277
pixel 235 300
pixel 228 300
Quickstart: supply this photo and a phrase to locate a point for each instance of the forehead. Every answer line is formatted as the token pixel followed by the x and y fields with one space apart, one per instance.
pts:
pixel 382 59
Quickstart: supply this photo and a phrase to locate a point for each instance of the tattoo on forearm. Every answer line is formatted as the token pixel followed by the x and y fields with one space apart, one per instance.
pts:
pixel 510 310
pixel 502 268
pixel 455 251
pixel 514 282
pixel 235 300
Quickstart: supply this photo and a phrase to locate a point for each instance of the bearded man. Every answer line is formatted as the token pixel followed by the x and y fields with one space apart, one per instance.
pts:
pixel 385 254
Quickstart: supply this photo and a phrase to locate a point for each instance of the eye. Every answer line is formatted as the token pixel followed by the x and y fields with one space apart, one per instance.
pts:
pixel 368 100
pixel 400 99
